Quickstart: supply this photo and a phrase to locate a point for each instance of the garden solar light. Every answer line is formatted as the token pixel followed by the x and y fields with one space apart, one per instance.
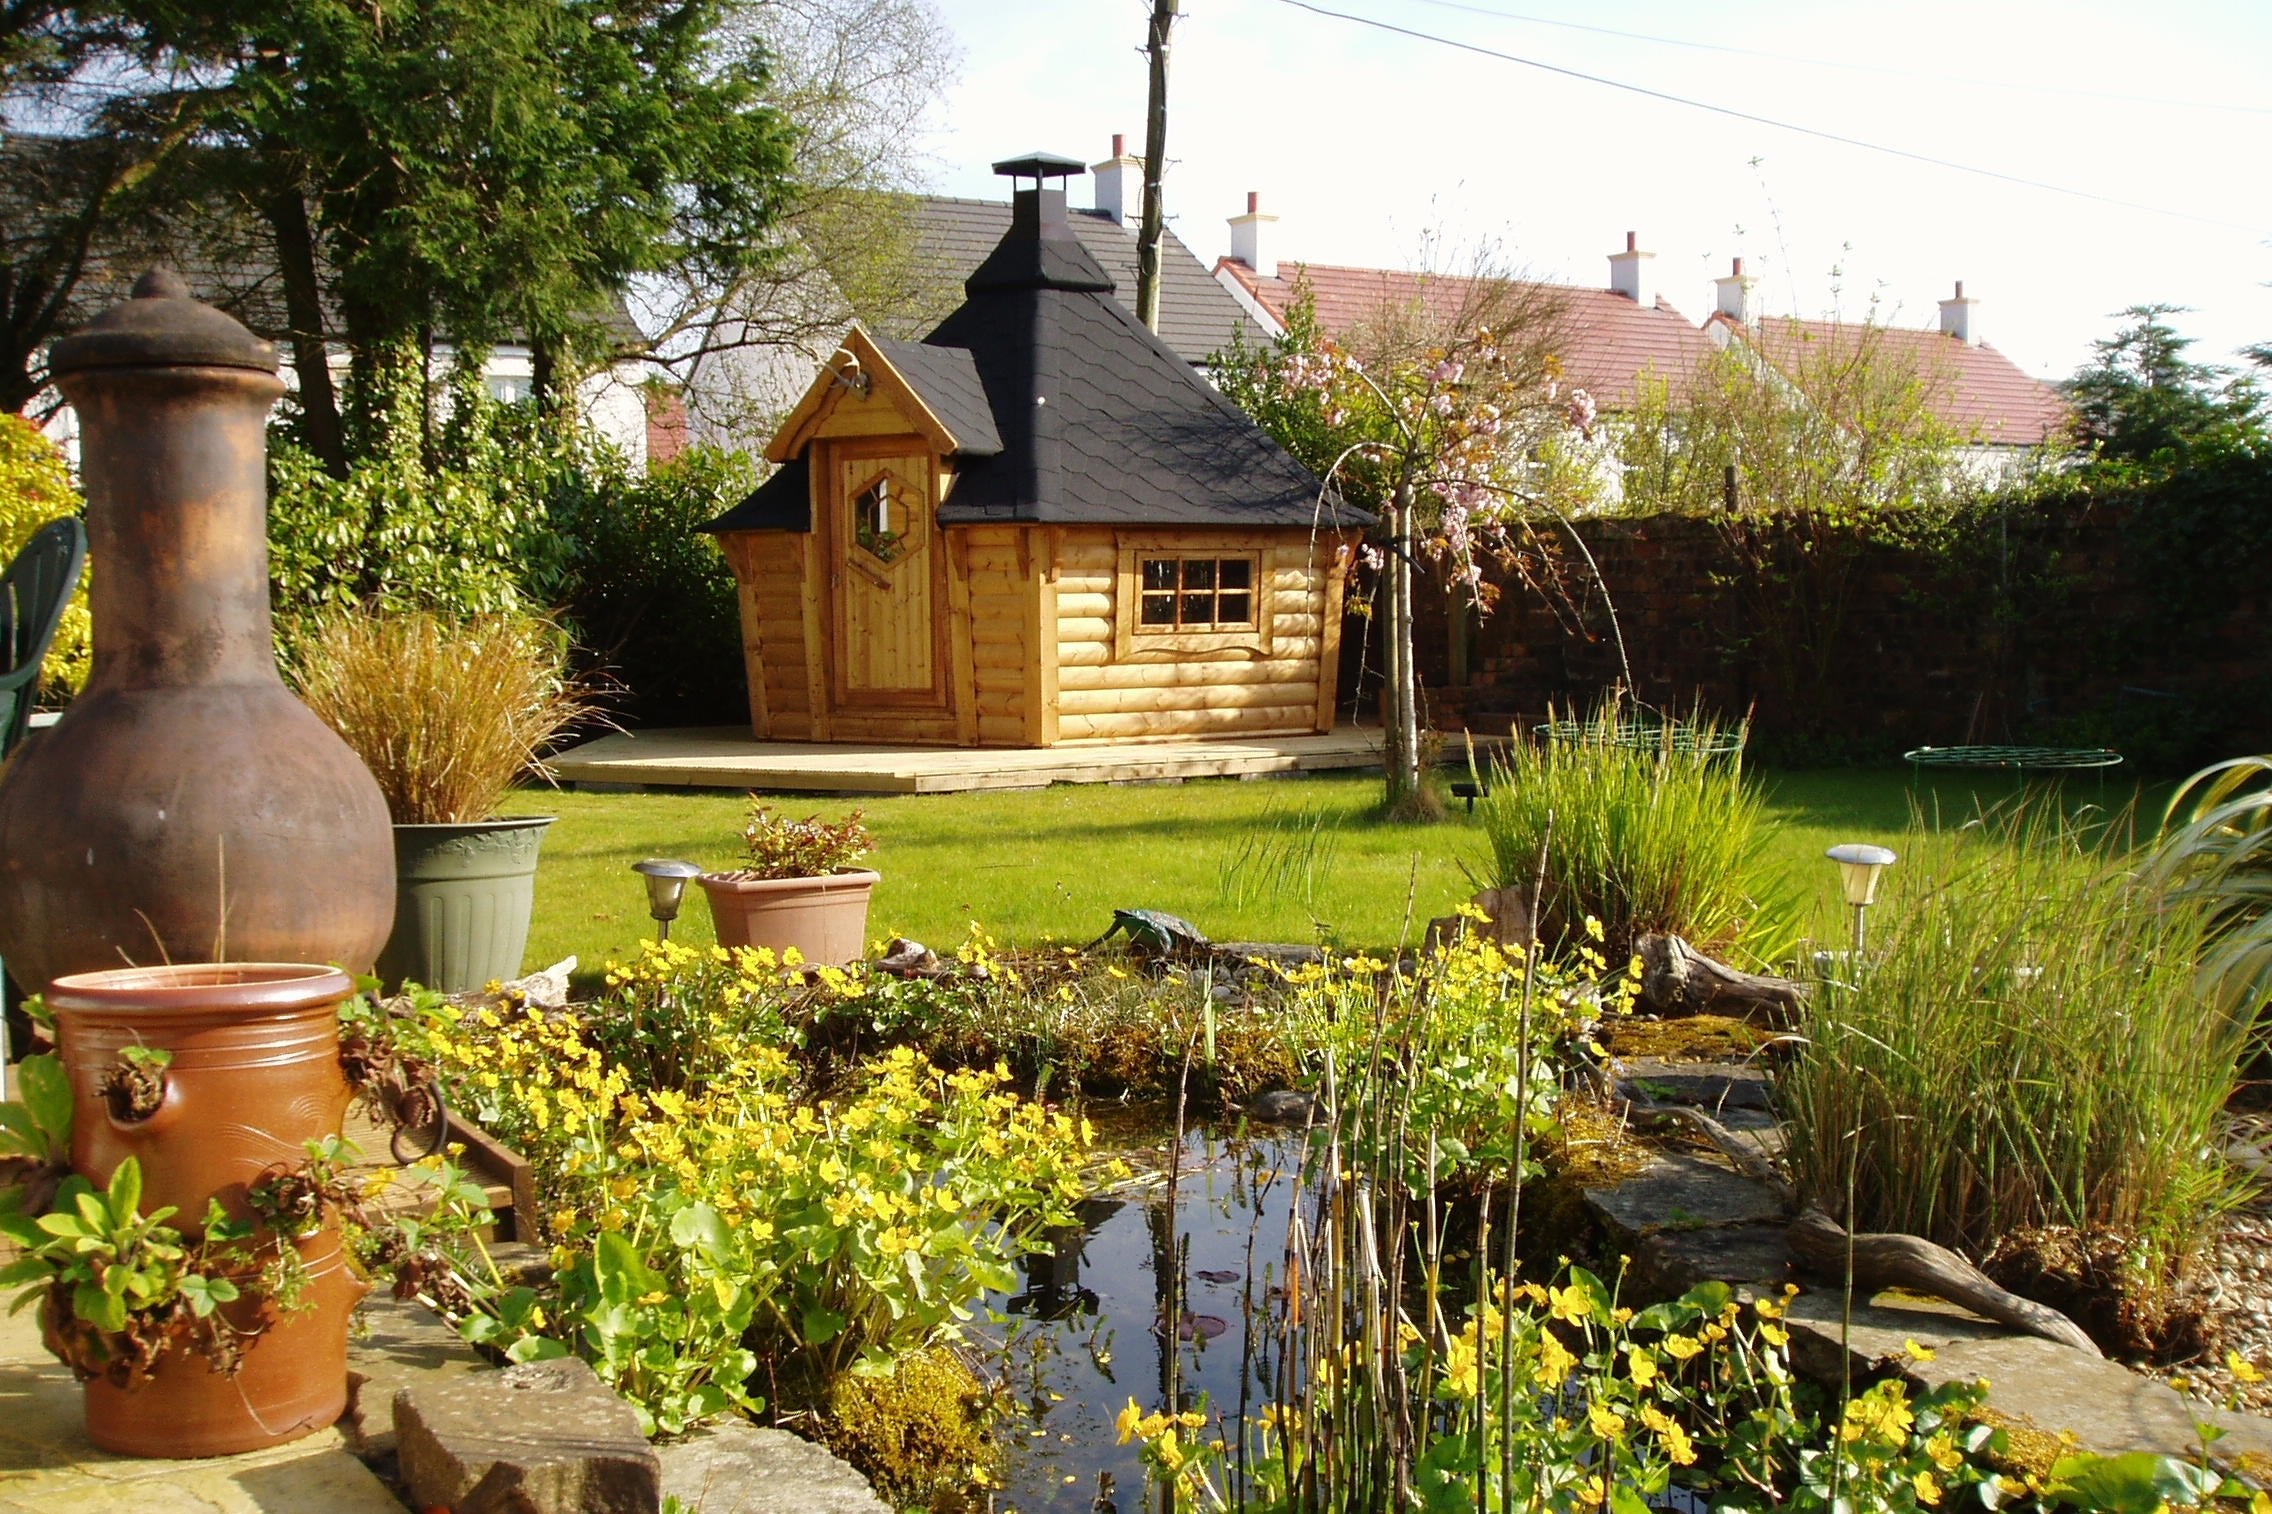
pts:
pixel 1858 867
pixel 666 886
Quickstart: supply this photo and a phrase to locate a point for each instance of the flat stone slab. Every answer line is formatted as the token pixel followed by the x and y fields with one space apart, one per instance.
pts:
pixel 2032 1383
pixel 1714 1087
pixel 48 1466
pixel 1667 1263
pixel 739 1468
pixel 1682 1191
pixel 541 1438
pixel 396 1344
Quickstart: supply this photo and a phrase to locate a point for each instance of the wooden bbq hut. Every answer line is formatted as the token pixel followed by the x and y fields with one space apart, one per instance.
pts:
pixel 1035 526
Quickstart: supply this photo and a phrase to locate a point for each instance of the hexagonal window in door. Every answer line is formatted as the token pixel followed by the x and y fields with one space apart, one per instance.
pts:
pixel 883 516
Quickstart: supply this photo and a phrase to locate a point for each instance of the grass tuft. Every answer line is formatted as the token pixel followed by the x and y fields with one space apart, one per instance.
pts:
pixel 2025 1045
pixel 447 714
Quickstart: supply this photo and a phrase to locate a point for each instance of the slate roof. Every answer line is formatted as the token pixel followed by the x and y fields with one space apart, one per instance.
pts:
pixel 948 381
pixel 1097 420
pixel 1609 343
pixel 1197 315
pixel 1974 388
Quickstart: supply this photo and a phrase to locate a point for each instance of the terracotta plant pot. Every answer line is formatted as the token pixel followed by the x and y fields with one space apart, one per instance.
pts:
pixel 463 895
pixel 292 1381
pixel 825 919
pixel 253 1075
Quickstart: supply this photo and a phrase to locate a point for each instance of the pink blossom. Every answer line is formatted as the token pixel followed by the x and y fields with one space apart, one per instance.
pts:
pixel 1447 372
pixel 1371 556
pixel 1582 412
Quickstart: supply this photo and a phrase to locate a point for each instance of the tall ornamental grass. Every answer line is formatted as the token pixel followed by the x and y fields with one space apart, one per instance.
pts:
pixel 1642 829
pixel 447 712
pixel 2025 1044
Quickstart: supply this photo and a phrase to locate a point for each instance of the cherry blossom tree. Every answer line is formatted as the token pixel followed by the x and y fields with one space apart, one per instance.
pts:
pixel 1447 417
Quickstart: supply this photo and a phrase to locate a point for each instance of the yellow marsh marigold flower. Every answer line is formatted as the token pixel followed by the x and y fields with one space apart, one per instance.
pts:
pixel 1605 1421
pixel 1641 1366
pixel 1928 1491
pixel 1681 1348
pixel 1554 1363
pixel 1670 1434
pixel 1573 1305
pixel 2242 1369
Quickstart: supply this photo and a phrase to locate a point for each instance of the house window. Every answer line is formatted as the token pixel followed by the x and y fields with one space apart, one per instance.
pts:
pixel 1196 594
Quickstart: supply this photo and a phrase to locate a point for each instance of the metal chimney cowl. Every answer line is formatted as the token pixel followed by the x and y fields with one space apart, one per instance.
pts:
pixel 187 808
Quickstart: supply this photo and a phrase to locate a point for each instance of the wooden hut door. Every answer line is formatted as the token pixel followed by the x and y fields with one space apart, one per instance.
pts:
pixel 886 546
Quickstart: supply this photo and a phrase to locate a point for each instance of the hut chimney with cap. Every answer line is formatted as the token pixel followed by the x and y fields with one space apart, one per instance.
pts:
pixel 1250 239
pixel 1956 317
pixel 1629 273
pixel 1737 300
pixel 1120 182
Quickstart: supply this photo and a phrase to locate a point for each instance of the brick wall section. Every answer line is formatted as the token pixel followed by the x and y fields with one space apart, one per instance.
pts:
pixel 2042 632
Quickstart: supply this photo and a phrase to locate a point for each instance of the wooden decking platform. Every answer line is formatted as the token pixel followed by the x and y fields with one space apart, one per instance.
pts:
pixel 727 758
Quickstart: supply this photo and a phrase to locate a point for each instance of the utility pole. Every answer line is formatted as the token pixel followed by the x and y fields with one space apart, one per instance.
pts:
pixel 1153 231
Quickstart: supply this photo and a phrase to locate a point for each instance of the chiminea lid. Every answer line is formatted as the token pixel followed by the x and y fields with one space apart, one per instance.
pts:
pixel 161 327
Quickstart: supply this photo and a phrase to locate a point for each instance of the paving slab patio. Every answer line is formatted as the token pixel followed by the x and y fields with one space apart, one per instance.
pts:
pixel 48 1466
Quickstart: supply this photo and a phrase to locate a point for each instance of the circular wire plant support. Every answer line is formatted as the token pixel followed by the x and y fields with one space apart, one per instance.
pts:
pixel 422 1122
pixel 1646 736
pixel 2016 759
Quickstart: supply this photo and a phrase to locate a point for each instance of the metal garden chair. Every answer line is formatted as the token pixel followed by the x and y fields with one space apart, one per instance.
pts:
pixel 33 593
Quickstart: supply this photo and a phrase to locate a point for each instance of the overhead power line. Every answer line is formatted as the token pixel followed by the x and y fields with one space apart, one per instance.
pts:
pixel 1759 120
pixel 1853 67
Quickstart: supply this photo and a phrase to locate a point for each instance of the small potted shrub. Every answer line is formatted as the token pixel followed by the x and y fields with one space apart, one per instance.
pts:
pixel 448 714
pixel 802 887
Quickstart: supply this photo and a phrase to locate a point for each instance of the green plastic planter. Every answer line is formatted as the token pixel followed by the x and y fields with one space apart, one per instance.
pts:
pixel 462 899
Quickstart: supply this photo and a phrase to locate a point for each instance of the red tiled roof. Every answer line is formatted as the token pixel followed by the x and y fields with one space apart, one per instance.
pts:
pixel 1610 341
pixel 1976 389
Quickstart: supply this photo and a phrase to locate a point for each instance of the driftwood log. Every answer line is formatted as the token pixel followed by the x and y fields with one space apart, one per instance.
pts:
pixel 1677 979
pixel 1821 1244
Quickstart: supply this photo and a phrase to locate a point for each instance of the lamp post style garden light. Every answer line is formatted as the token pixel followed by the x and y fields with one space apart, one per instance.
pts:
pixel 666 888
pixel 1858 867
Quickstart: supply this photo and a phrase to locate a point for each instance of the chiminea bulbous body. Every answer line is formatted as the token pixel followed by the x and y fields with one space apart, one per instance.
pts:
pixel 187 808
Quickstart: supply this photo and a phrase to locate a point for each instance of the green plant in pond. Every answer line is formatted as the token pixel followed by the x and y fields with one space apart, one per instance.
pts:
pixel 2026 1045
pixel 1556 1397
pixel 1640 835
pixel 447 713
pixel 2216 851
pixel 1440 1085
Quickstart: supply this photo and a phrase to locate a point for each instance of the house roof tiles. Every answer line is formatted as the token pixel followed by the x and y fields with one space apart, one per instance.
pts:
pixel 1609 343
pixel 1974 388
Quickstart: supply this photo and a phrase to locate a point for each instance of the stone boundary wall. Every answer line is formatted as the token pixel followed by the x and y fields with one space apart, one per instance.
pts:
pixel 2043 626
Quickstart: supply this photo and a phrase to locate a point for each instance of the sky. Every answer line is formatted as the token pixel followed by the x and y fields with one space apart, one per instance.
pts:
pixel 1380 149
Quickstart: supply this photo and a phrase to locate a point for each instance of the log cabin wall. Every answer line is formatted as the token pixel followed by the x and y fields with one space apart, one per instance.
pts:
pixel 771 574
pixel 1118 679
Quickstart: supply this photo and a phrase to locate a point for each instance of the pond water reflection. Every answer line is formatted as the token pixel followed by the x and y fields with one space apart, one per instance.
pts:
pixel 1105 1319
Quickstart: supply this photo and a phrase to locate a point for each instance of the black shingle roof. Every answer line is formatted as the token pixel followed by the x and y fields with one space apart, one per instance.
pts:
pixel 1097 421
pixel 784 502
pixel 1102 422
pixel 1197 314
pixel 948 381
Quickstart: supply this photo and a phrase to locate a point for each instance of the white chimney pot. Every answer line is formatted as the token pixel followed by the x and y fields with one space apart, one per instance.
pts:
pixel 1957 319
pixel 1737 300
pixel 1250 238
pixel 1630 275
pixel 1120 182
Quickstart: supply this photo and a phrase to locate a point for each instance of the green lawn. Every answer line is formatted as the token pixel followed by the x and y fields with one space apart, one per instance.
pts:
pixel 1267 860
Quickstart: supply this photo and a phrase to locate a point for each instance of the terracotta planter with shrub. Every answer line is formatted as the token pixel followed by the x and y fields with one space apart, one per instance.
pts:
pixel 213 1077
pixel 250 1076
pixel 292 1380
pixel 825 919
pixel 801 886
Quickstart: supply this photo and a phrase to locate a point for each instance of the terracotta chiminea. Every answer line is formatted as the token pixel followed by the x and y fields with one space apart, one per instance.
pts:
pixel 187 808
